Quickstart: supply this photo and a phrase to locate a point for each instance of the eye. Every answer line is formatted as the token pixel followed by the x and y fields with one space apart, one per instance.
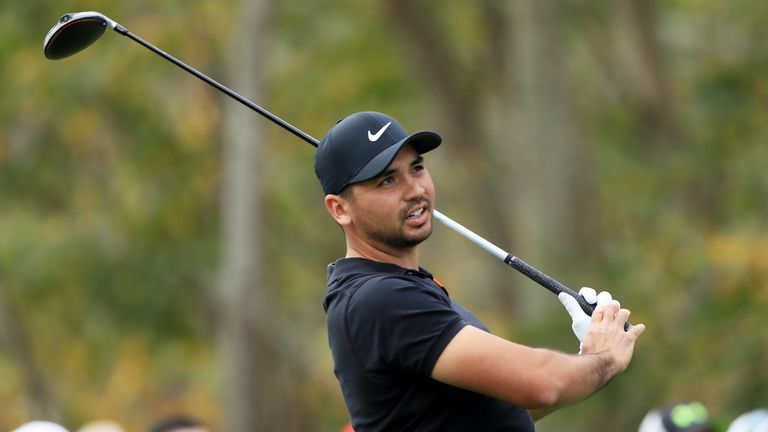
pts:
pixel 387 181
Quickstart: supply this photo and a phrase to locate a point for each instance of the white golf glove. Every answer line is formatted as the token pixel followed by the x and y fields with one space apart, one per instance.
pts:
pixel 580 319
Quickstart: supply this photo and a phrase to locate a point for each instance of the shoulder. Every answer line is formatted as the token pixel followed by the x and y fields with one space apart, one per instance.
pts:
pixel 387 290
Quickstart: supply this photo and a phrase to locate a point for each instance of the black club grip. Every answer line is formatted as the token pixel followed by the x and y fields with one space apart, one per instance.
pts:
pixel 551 284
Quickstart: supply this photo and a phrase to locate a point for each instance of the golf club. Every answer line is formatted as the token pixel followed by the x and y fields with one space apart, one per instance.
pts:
pixel 76 31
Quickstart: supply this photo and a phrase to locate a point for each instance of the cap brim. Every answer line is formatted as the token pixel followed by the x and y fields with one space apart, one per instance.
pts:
pixel 422 142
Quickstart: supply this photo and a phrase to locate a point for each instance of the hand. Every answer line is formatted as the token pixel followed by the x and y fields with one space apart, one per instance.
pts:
pixel 606 334
pixel 580 319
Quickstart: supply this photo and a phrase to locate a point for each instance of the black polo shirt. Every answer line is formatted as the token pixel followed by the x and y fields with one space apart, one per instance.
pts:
pixel 387 326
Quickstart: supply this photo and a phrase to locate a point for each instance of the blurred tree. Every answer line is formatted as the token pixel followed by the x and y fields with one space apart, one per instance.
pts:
pixel 260 373
pixel 645 117
pixel 17 343
pixel 460 100
pixel 552 222
pixel 506 114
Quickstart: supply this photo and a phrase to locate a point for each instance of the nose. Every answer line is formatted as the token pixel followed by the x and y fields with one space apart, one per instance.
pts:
pixel 414 188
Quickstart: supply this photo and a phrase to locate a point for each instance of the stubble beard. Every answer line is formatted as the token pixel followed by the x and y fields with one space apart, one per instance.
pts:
pixel 397 238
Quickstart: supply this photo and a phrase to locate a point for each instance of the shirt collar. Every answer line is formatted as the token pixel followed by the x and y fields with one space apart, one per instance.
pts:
pixel 346 266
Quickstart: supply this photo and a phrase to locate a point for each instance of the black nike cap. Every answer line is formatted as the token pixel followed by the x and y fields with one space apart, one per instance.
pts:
pixel 362 145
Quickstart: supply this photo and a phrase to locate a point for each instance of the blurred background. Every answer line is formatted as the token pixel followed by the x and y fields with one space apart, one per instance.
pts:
pixel 163 248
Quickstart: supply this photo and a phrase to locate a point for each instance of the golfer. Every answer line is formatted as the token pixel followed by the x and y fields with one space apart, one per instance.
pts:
pixel 407 357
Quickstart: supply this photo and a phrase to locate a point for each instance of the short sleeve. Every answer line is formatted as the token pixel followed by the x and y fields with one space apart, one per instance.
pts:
pixel 396 323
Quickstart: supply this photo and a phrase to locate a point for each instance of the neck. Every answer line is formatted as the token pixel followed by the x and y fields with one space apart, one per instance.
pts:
pixel 405 258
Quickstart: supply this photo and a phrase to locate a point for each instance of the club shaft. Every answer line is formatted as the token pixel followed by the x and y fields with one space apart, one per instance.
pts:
pixel 229 92
pixel 474 238
pixel 518 264
pixel 509 259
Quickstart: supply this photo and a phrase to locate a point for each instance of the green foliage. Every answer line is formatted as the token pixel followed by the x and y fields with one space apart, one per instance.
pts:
pixel 110 191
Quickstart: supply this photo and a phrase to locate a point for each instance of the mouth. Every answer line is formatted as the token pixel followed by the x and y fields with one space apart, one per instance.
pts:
pixel 418 216
pixel 416 213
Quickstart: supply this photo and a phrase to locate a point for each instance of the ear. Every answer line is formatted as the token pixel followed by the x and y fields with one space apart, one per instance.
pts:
pixel 339 209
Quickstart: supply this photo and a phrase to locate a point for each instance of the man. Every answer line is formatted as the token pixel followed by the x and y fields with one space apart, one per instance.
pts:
pixel 407 357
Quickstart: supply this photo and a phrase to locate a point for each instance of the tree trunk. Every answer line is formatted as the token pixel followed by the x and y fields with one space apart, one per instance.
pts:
pixel 19 348
pixel 461 104
pixel 654 97
pixel 628 50
pixel 258 379
pixel 550 164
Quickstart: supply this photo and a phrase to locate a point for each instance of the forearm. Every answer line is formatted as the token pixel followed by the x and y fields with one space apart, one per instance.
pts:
pixel 576 377
pixel 563 380
pixel 537 379
pixel 578 387
pixel 590 374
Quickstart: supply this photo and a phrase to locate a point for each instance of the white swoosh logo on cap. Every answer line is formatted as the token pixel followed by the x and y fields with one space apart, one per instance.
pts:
pixel 375 137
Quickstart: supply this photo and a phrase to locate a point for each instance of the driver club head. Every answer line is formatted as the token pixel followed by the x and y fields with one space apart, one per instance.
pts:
pixel 73 33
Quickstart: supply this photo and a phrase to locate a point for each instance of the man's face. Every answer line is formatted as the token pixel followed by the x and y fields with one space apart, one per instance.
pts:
pixel 394 210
